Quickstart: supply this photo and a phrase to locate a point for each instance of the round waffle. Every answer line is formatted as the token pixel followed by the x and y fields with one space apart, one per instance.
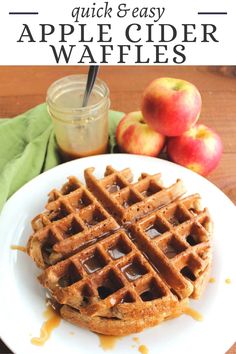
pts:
pixel 119 256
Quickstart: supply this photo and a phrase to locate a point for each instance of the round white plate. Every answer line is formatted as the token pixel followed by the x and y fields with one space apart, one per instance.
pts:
pixel 22 299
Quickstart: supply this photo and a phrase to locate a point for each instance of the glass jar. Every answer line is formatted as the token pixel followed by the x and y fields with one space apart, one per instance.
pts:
pixel 80 131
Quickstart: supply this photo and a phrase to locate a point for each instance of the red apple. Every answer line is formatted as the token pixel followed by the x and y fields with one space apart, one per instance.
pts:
pixel 171 106
pixel 198 149
pixel 134 136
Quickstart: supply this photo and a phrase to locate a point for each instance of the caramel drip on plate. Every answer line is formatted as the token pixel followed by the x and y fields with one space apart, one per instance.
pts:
pixel 143 349
pixel 228 281
pixel 18 248
pixel 193 313
pixel 212 280
pixel 108 342
pixel 52 321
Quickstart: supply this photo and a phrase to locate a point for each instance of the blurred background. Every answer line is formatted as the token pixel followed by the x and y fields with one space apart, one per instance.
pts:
pixel 22 88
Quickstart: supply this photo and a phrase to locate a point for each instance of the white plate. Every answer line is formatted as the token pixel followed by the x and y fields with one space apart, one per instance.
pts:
pixel 22 300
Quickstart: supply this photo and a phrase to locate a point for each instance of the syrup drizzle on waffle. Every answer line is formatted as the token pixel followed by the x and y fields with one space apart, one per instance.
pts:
pixel 118 255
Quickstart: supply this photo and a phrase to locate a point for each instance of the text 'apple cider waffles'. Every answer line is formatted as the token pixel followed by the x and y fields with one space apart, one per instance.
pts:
pixel 119 256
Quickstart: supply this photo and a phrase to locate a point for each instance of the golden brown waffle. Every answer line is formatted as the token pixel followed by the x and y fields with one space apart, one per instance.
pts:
pixel 111 326
pixel 111 279
pixel 73 214
pixel 128 201
pixel 179 241
pixel 119 274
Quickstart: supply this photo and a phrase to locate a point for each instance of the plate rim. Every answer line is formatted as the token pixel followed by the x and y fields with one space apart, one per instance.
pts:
pixel 61 166
pixel 116 154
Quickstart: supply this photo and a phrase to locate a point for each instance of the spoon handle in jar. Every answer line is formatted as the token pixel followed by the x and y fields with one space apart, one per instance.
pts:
pixel 92 74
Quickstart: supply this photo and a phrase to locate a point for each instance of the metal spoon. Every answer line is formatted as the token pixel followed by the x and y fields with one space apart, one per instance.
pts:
pixel 92 74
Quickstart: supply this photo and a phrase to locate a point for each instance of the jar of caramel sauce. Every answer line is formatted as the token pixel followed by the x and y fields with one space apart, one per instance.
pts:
pixel 80 131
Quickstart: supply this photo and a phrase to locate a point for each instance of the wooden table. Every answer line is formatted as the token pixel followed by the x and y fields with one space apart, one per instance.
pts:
pixel 24 87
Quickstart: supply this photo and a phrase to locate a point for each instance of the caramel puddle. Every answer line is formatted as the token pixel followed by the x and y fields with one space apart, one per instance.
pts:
pixel 18 248
pixel 52 321
pixel 108 342
pixel 212 280
pixel 193 313
pixel 143 349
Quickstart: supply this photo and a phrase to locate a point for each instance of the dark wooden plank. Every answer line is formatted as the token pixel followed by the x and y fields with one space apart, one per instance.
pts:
pixel 4 349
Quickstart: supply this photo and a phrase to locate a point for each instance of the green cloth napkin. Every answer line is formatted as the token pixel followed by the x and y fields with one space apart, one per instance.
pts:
pixel 28 147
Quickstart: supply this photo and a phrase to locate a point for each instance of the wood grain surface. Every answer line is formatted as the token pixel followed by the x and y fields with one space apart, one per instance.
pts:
pixel 21 88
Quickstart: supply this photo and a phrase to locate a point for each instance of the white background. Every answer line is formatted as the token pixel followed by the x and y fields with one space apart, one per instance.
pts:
pixel 55 12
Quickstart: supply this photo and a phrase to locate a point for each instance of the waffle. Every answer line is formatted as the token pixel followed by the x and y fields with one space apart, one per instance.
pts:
pixel 128 201
pixel 72 214
pixel 119 256
pixel 111 326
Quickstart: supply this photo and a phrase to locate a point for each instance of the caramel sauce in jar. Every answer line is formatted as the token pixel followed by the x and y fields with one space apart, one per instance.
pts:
pixel 72 155
pixel 80 130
